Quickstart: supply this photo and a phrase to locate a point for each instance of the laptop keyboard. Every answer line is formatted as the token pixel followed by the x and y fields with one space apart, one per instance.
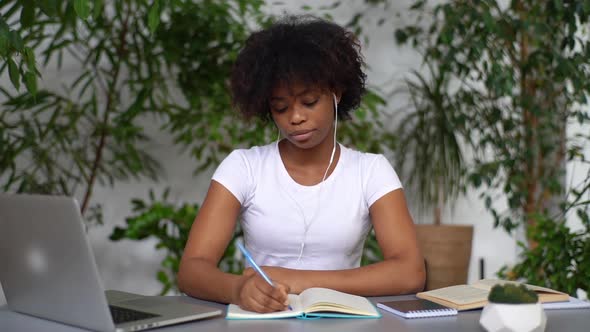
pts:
pixel 124 315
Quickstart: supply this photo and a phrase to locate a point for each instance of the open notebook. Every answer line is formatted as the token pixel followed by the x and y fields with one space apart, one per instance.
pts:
pixel 315 302
pixel 464 297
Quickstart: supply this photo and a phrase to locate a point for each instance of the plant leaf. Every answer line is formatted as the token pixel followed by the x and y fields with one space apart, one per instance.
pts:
pixel 31 82
pixel 13 73
pixel 82 8
pixel 4 42
pixel 29 56
pixel 16 41
pixel 27 14
pixel 48 7
pixel 154 16
pixel 97 10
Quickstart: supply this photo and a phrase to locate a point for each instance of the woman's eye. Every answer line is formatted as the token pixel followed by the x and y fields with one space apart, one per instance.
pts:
pixel 310 103
pixel 281 110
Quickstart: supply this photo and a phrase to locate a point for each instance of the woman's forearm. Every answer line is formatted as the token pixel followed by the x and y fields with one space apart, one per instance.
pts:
pixel 388 277
pixel 204 280
pixel 201 279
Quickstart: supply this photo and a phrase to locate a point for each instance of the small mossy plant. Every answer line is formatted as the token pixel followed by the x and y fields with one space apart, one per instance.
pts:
pixel 512 294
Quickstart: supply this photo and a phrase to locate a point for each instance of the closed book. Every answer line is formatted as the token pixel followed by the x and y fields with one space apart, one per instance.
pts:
pixel 416 308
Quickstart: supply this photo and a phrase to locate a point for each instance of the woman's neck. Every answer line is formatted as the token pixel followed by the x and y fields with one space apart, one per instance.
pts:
pixel 308 166
pixel 318 155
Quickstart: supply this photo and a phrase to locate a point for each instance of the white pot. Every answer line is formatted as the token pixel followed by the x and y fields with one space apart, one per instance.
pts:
pixel 500 317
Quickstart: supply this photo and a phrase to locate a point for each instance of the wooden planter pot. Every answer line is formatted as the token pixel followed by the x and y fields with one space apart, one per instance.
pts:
pixel 447 250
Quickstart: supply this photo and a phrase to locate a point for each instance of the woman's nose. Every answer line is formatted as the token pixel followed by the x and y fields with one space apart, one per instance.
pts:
pixel 298 115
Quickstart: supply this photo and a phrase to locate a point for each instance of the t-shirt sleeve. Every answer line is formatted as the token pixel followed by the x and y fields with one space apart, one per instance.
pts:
pixel 380 179
pixel 234 173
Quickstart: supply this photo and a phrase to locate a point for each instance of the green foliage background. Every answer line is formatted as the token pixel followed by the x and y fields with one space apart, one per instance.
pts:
pixel 141 62
pixel 519 75
pixel 521 72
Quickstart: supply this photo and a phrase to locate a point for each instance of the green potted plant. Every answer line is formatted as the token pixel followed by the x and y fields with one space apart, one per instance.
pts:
pixel 522 73
pixel 513 308
pixel 431 162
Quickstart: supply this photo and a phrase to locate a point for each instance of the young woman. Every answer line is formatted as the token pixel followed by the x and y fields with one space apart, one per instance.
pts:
pixel 306 203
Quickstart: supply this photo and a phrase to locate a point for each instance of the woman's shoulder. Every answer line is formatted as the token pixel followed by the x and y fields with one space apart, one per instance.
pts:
pixel 244 163
pixel 362 158
pixel 254 154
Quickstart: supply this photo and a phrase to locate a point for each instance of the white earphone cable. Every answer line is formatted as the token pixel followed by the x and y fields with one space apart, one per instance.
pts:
pixel 306 225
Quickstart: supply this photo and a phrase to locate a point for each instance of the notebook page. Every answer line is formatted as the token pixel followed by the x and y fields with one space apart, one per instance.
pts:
pixel 460 294
pixel 489 283
pixel 335 299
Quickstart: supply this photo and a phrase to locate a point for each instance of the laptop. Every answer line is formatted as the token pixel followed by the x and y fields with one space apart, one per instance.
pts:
pixel 47 270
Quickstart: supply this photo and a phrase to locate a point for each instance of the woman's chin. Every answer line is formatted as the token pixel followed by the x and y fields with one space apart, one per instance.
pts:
pixel 303 144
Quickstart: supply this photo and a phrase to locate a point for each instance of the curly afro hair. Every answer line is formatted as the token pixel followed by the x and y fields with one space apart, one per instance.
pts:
pixel 298 49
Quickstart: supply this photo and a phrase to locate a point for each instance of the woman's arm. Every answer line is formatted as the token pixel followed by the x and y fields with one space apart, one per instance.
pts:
pixel 198 274
pixel 401 271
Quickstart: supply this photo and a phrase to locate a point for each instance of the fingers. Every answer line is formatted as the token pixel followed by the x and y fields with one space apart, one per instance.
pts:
pixel 257 295
pixel 266 298
pixel 283 288
pixel 284 291
pixel 249 272
pixel 266 304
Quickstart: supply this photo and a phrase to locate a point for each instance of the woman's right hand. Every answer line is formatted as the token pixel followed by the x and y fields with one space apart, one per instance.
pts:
pixel 253 293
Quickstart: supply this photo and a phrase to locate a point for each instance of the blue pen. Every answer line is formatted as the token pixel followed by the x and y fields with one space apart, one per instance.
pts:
pixel 255 266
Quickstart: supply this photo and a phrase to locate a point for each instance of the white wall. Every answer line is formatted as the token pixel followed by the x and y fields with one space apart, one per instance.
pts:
pixel 131 266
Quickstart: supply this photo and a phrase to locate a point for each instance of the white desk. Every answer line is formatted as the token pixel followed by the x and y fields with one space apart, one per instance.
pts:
pixel 557 321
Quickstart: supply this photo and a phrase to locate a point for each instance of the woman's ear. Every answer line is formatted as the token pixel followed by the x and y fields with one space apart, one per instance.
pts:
pixel 338 96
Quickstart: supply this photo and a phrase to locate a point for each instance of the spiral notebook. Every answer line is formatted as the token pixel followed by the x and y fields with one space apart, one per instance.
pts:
pixel 416 308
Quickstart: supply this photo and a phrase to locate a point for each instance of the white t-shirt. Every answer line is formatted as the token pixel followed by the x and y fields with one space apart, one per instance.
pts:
pixel 276 209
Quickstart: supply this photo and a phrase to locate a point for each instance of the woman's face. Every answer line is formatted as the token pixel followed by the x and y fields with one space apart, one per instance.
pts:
pixel 304 114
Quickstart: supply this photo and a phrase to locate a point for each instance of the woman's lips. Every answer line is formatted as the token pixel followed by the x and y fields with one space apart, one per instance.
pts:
pixel 301 135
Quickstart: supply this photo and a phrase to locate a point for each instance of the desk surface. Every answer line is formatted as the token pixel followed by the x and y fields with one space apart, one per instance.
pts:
pixel 557 320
